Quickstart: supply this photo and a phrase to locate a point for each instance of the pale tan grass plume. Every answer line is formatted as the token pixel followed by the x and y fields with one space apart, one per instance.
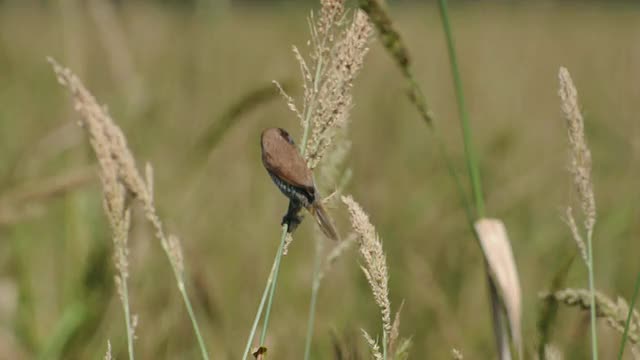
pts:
pixel 122 182
pixel 373 345
pixel 117 175
pixel 376 271
pixel 107 354
pixel 375 262
pixel 338 48
pixel 614 312
pixel 579 156
pixel 580 169
pixel 456 354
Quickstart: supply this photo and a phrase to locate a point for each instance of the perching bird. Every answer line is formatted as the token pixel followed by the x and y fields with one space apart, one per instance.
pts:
pixel 290 173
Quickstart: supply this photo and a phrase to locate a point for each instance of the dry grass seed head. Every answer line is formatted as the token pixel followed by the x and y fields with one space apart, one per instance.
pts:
pixel 373 345
pixel 615 313
pixel 575 233
pixel 334 98
pixel 395 329
pixel 332 168
pixel 552 352
pixel 118 172
pixel 579 154
pixel 107 355
pixel 456 354
pixel 375 264
pixel 287 241
pixel 337 54
pixel 106 138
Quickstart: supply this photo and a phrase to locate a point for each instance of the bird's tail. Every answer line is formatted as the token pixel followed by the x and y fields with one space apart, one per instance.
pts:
pixel 324 220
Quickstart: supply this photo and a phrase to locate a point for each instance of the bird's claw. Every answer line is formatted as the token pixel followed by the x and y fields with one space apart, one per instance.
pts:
pixel 292 221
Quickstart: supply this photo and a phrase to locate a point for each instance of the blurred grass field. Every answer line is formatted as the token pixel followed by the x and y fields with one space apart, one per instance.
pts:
pixel 174 72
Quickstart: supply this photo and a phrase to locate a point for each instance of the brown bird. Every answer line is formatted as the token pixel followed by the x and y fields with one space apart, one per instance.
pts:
pixel 290 173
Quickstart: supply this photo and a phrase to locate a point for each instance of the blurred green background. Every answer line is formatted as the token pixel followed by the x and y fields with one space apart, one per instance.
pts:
pixel 168 73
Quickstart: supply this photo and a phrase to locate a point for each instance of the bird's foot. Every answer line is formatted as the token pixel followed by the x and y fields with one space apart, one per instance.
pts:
pixel 292 221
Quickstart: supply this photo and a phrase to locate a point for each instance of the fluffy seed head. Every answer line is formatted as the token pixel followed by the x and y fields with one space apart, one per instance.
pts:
pixel 579 154
pixel 375 263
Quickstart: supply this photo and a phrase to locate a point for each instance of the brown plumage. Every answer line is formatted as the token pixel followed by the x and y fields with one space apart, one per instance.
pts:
pixel 290 173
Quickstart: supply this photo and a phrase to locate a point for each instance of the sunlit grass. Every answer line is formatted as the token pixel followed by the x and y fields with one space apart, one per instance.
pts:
pixel 193 70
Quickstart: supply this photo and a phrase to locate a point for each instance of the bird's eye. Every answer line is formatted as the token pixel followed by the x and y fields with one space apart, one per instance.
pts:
pixel 286 136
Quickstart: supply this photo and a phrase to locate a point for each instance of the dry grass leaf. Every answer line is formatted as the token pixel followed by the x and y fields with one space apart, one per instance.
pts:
pixel 502 268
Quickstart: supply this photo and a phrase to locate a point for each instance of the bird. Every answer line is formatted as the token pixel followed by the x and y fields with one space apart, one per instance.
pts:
pixel 290 173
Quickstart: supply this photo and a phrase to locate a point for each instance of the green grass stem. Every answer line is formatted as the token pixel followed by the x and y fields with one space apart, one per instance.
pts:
pixel 194 322
pixel 385 339
pixel 470 154
pixel 274 280
pixel 314 297
pixel 632 305
pixel 252 334
pixel 269 291
pixel 395 46
pixel 592 295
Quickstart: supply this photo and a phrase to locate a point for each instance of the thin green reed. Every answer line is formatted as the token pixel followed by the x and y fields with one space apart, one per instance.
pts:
pixel 274 280
pixel 269 291
pixel 632 305
pixel 314 297
pixel 499 321
pixel 393 42
pixel 470 154
pixel 273 277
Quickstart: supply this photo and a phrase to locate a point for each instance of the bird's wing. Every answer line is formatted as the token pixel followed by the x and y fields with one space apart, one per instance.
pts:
pixel 283 160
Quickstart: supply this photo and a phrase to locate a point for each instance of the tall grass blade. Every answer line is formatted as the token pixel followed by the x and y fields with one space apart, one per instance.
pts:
pixel 470 154
pixel 395 46
pixel 632 306
pixel 314 297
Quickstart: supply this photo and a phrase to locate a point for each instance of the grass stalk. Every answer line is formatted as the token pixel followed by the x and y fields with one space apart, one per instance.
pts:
pixel 194 322
pixel 632 306
pixel 314 297
pixel 267 292
pixel 500 322
pixel 120 177
pixel 310 108
pixel 127 318
pixel 273 282
pixel 385 340
pixel 470 154
pixel 173 251
pixel 273 278
pixel 580 169
pixel 252 334
pixel 592 295
pixel 318 253
pixel 395 46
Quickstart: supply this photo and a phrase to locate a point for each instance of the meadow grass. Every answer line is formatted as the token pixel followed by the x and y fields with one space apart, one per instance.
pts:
pixel 48 256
